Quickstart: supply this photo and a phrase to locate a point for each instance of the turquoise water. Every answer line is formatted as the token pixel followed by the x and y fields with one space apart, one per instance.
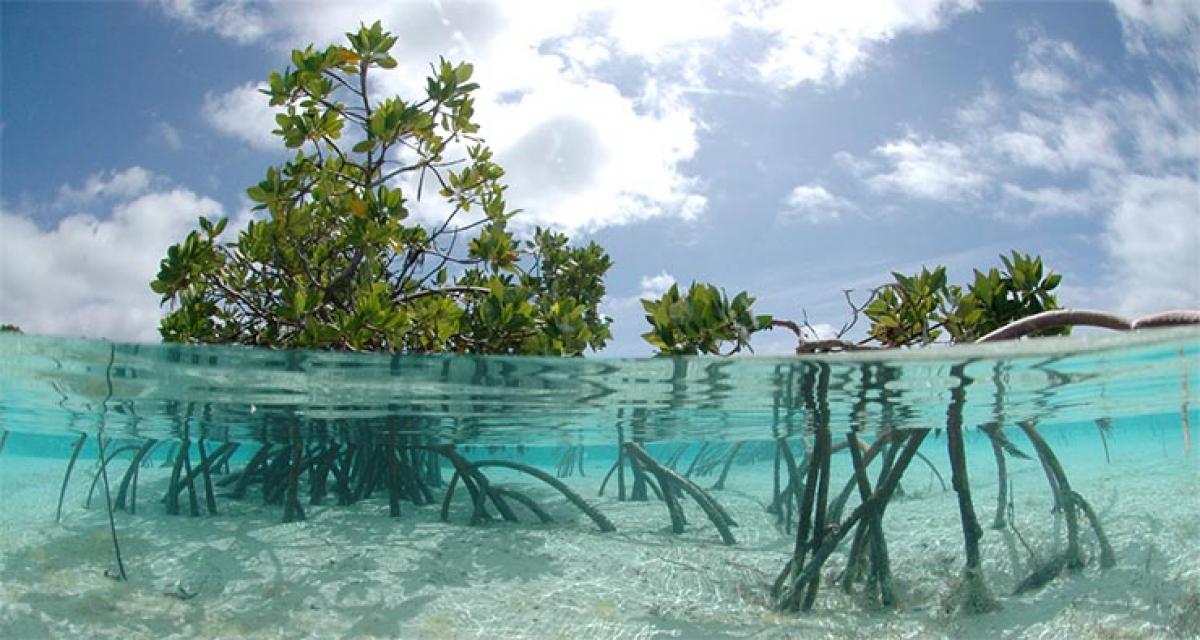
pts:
pixel 56 386
pixel 374 435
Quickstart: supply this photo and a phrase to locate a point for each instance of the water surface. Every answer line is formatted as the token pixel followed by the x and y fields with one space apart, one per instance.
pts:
pixel 56 386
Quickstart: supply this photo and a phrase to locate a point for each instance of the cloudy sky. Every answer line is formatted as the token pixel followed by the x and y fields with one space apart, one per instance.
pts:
pixel 792 149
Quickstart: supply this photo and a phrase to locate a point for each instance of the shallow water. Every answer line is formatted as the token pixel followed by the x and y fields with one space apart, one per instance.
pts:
pixel 58 386
pixel 1118 411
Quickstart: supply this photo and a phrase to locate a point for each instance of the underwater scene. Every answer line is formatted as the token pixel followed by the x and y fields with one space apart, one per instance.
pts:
pixel 1046 488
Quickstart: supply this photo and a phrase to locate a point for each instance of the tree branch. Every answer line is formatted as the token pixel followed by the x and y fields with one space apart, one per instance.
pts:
pixel 1057 318
pixel 402 299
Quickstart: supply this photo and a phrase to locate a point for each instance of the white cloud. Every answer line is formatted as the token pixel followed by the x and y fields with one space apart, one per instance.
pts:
pixel 929 169
pixel 819 331
pixel 859 167
pixel 1043 80
pixel 658 30
pixel 981 110
pixel 1028 149
pixel 580 153
pixel 1146 24
pixel 118 185
pixel 168 135
pixel 90 275
pixel 655 286
pixel 582 156
pixel 1003 142
pixel 1087 139
pixel 233 19
pixel 1048 67
pixel 814 203
pixel 1069 138
pixel 1165 125
pixel 244 113
pixel 829 41
pixel 1049 201
pixel 1153 236
pixel 1057 147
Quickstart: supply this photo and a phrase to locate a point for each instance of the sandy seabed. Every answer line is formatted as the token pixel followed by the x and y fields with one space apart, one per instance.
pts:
pixel 355 572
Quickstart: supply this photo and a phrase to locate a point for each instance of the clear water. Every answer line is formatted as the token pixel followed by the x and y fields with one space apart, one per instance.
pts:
pixel 1120 411
pixel 55 386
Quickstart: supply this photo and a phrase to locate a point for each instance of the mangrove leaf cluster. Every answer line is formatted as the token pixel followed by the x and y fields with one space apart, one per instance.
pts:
pixel 916 309
pixel 337 258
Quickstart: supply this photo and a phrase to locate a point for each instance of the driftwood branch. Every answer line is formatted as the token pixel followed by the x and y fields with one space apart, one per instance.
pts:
pixel 1091 318
pixel 1168 319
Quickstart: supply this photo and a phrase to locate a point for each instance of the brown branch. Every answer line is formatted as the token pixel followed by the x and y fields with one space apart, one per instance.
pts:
pixel 1055 319
pixel 824 346
pixel 1168 319
pixel 789 325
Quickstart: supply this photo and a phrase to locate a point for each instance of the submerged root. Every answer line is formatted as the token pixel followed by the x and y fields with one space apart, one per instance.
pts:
pixel 108 507
pixel 794 589
pixel 973 596
pixel 1108 558
pixel 1069 500
pixel 720 483
pixel 528 502
pixel 127 493
pixel 1042 575
pixel 62 491
pixel 671 482
pixel 601 521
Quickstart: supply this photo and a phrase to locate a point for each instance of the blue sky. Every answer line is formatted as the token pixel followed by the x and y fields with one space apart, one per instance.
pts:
pixel 792 149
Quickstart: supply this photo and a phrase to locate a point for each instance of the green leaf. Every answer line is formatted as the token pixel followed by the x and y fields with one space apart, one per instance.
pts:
pixel 463 72
pixel 342 259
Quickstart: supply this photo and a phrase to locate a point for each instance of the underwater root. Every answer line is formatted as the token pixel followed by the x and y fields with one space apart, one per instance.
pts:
pixel 975 595
pixel 127 493
pixel 671 483
pixel 599 518
pixel 972 595
pixel 529 503
pixel 733 452
pixel 795 587
pixel 477 484
pixel 108 507
pixel 62 491
pixel 1042 575
pixel 571 459
pixel 87 502
pixel 1071 502
pixel 785 493
pixel 608 476
pixel 870 529
pixel 1051 569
